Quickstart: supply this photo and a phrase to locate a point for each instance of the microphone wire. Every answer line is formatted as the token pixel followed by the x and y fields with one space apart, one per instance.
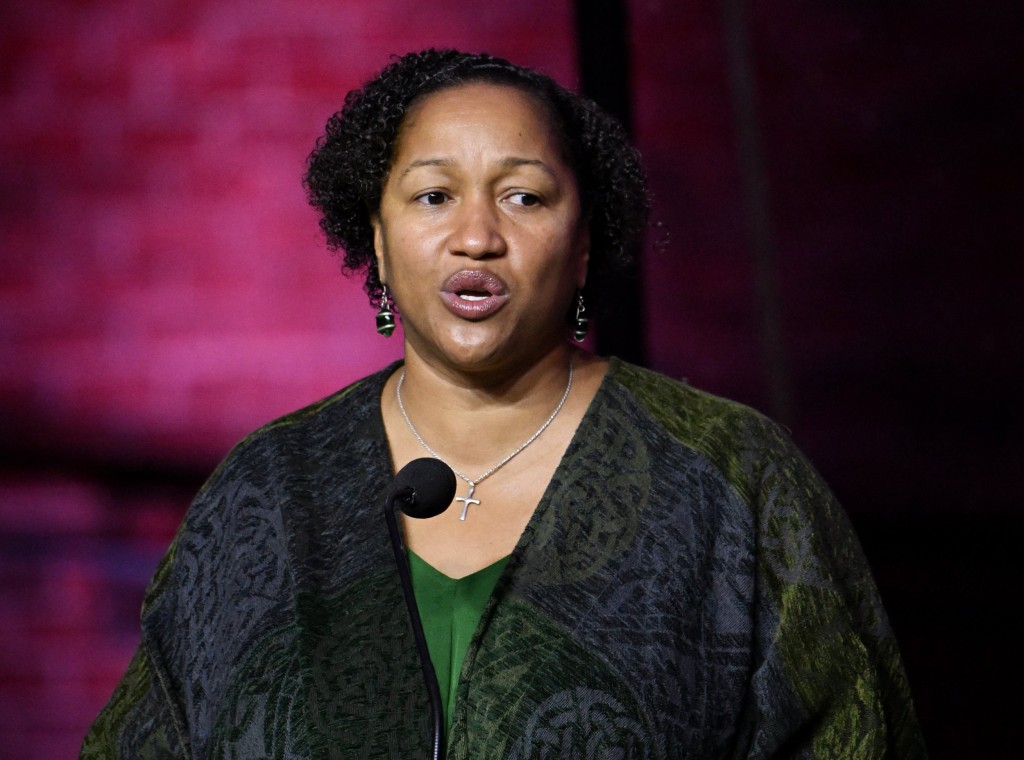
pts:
pixel 429 675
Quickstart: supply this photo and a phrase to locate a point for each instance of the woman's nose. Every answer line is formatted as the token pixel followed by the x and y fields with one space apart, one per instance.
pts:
pixel 478 231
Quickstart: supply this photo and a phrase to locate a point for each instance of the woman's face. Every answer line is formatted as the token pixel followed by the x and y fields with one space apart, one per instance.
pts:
pixel 480 237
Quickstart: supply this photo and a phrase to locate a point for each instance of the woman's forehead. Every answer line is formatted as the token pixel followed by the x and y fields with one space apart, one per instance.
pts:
pixel 478 111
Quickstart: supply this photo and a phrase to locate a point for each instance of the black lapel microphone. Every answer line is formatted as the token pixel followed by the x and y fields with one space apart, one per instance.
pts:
pixel 423 488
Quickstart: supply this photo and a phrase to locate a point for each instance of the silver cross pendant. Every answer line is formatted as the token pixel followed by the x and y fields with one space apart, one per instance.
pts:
pixel 467 500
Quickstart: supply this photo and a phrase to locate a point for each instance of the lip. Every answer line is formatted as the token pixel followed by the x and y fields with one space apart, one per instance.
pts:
pixel 490 294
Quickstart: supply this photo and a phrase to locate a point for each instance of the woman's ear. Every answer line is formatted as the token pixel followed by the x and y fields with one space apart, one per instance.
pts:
pixel 378 247
pixel 581 274
pixel 584 259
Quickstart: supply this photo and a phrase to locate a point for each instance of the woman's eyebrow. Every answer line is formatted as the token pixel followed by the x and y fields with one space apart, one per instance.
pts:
pixel 425 162
pixel 511 162
pixel 514 161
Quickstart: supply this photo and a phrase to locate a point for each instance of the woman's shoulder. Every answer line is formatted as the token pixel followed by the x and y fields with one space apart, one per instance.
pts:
pixel 279 468
pixel 745 446
pixel 694 416
pixel 359 397
pixel 353 409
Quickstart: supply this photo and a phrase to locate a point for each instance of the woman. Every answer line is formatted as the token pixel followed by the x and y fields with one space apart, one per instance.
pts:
pixel 630 568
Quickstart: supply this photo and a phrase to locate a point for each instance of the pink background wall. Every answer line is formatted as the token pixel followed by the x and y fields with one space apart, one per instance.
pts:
pixel 164 288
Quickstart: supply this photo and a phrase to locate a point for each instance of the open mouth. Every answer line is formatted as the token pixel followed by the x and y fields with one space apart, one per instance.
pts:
pixel 473 295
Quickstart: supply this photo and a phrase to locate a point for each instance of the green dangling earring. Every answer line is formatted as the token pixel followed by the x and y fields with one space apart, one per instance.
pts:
pixel 385 317
pixel 580 323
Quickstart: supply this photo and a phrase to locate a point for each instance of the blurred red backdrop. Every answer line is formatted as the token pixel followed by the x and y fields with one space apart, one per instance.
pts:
pixel 165 288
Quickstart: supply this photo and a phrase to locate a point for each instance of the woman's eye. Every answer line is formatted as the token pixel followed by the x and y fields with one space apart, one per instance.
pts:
pixel 435 198
pixel 525 199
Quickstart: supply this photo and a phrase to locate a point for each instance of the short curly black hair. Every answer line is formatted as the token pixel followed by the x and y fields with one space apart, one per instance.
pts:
pixel 347 169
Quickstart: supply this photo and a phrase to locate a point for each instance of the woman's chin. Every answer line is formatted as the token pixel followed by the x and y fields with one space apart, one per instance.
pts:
pixel 476 356
pixel 476 349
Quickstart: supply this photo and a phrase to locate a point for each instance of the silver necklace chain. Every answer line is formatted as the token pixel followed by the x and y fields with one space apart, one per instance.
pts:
pixel 473 483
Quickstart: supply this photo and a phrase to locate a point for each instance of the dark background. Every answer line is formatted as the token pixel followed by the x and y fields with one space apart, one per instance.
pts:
pixel 839 187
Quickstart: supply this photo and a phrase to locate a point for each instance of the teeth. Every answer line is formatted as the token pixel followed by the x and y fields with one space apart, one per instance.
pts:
pixel 470 297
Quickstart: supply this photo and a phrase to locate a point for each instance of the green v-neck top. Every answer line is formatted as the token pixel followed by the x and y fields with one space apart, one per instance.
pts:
pixel 450 609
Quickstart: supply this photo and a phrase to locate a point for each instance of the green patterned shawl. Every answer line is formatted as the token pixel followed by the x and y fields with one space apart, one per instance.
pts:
pixel 687 588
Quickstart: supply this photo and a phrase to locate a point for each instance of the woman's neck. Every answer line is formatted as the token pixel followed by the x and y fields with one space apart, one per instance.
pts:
pixel 481 415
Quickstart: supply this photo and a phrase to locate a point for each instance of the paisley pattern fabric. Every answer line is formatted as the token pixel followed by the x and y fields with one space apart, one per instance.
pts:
pixel 687 588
